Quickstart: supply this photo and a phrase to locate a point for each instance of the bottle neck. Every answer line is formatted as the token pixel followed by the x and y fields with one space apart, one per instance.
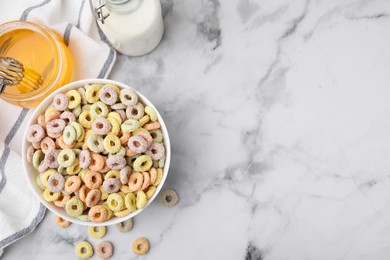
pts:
pixel 123 6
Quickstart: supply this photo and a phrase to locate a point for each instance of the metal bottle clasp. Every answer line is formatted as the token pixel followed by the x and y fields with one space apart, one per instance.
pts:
pixel 98 11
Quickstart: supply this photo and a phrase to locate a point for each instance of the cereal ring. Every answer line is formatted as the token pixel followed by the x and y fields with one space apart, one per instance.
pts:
pixel 39 183
pixel 36 145
pixel 50 196
pixel 122 114
pixel 108 95
pixel 74 207
pixel 125 174
pixel 143 163
pixel 85 159
pixel 83 218
pixel 140 246
pixel 41 121
pixel 82 173
pixel 109 211
pixel 60 102
pixel 83 192
pixel 116 116
pixel 112 174
pixel 95 143
pixel 84 250
pixel 115 202
pixel 68 117
pixel 137 144
pixel 56 182
pixel 116 162
pixel 86 119
pixel 52 115
pixel 92 93
pixel 141 199
pixel 86 107
pixel 66 157
pixel 111 185
pixel 45 176
pixel 169 198
pixel 29 153
pixel 101 126
pixel 93 179
pixel 47 144
pixel 146 181
pixel 156 135
pixel 118 106
pixel 74 168
pixel 61 200
pixel 43 166
pixel 130 153
pixel 62 145
pixel 151 112
pixel 124 137
pixel 104 250
pixel 98 214
pixel 128 97
pixel 144 120
pixel 35 133
pixel 151 190
pixel 130 201
pixel 97 162
pixel 122 213
pixel 115 126
pixel 156 151
pixel 153 175
pixel 74 98
pixel 76 111
pixel 125 226
pixel 55 126
pixel 82 95
pixel 145 134
pixel 93 197
pixel 121 152
pixel 130 125
pixel 135 112
pixel 135 181
pixel 105 168
pixel 152 126
pixel 97 232
pixel 72 183
pixel 69 135
pixel 112 143
pixel 159 177
pixel 53 135
pixel 62 222
pixel 80 133
pixel 38 157
pixel 50 109
pixel 99 109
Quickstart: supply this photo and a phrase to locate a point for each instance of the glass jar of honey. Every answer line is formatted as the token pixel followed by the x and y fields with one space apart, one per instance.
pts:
pixel 40 50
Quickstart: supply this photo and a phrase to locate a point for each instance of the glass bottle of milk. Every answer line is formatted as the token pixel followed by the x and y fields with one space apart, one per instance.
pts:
pixel 133 27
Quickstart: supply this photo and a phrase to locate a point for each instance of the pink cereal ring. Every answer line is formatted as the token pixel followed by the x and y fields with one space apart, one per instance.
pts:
pixel 68 117
pixel 111 185
pixel 60 102
pixel 47 144
pixel 61 200
pixel 85 159
pixel 156 151
pixel 55 126
pixel 51 159
pixel 116 162
pixel 56 182
pixel 104 250
pixel 101 126
pixel 35 133
pixel 108 95
pixel 43 166
pixel 93 197
pixel 122 114
pixel 36 145
pixel 29 153
pixel 137 144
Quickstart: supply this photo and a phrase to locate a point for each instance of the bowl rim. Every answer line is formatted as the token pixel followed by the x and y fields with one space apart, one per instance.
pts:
pixel 60 211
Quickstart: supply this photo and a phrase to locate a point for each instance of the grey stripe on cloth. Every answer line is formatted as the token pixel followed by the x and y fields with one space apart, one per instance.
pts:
pixel 8 240
pixel 67 32
pixel 25 13
pixel 106 65
pixel 80 11
pixel 7 141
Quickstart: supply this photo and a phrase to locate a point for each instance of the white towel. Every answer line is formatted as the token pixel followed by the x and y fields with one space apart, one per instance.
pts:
pixel 20 210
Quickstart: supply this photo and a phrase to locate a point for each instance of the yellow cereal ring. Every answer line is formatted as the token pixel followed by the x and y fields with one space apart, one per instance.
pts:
pixel 82 173
pixel 92 93
pixel 79 131
pixel 74 207
pixel 141 199
pixel 74 168
pixel 84 250
pixel 150 111
pixel 116 116
pixel 150 192
pixel 104 195
pixel 112 174
pixel 159 177
pixel 109 211
pixel 116 88
pixel 50 196
pixel 130 201
pixel 39 182
pixel 86 119
pixel 74 98
pixel 122 213
pixel 140 246
pixel 46 175
pixel 49 110
pixel 112 143
pixel 97 232
pixel 144 120
pixel 115 126
pixel 115 202
pixel 143 163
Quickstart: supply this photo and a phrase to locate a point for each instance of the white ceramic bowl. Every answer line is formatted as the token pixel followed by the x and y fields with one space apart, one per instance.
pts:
pixel 31 172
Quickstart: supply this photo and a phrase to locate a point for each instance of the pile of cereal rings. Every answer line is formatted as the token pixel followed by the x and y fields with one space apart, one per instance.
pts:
pixel 99 152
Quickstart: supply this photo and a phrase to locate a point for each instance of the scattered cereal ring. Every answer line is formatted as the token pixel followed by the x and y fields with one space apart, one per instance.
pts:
pixel 60 102
pixel 140 246
pixel 47 144
pixel 104 250
pixel 97 232
pixel 50 196
pixel 93 179
pixel 156 135
pixel 137 144
pixel 56 182
pixel 130 201
pixel 156 151
pixel 29 153
pixel 101 126
pixel 151 190
pixel 92 93
pixel 112 143
pixel 62 222
pixel 97 162
pixel 72 183
pixel 93 197
pixel 99 109
pixel 108 95
pixel 35 133
pixel 74 207
pixel 152 113
pixel 85 159
pixel 143 163
pixel 115 202
pixel 128 97
pixel 135 112
pixel 130 125
pixel 84 250
pixel 86 119
pixel 169 198
pixel 141 199
pixel 125 174
pixel 66 157
pixel 38 157
pixel 152 126
pixel 98 214
pixel 116 162
pixel 135 181
pixel 74 98
pixel 95 143
pixel 69 135
pixel 111 185
pixel 55 126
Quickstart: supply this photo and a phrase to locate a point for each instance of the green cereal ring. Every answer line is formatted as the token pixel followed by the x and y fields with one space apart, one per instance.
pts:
pixel 161 162
pixel 99 109
pixel 97 232
pixel 86 107
pixel 38 157
pixel 50 196
pixel 121 152
pixel 45 176
pixel 141 199
pixel 92 93
pixel 83 218
pixel 95 143
pixel 79 130
pixel 74 98
pixel 74 207
pixel 156 135
pixel 83 250
pixel 131 159
pixel 77 111
pixel 143 163
pixel 66 157
pixel 115 202
pixel 150 111
pixel 128 97
pixel 130 201
pixel 130 125
pixel 111 143
pixel 39 182
pixel 69 135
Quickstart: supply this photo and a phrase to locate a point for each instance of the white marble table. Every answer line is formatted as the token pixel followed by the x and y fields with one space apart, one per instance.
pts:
pixel 278 114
